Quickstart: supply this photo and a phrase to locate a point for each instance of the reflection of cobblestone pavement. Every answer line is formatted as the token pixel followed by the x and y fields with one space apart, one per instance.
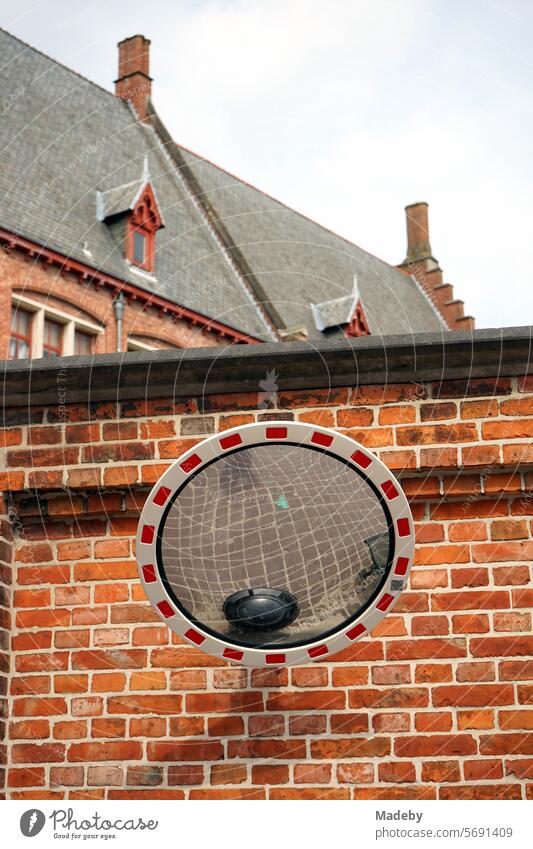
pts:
pixel 271 516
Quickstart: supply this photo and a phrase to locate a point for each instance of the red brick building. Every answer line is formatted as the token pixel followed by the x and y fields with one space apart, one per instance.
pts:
pixel 117 238
pixel 102 701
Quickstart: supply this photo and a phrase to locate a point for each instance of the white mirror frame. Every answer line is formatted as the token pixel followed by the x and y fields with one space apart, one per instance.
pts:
pixel 365 465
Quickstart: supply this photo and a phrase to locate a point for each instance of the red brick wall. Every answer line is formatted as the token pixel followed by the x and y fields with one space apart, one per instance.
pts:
pixel 6 574
pixel 81 299
pixel 105 702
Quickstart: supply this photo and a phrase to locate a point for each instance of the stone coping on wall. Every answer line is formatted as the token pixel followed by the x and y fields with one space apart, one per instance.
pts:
pixel 293 365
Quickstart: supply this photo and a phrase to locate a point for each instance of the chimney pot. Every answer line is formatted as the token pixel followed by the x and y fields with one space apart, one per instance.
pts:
pixel 418 245
pixel 134 82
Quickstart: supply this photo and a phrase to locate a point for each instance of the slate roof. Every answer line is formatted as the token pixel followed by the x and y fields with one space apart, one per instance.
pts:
pixel 298 262
pixel 63 139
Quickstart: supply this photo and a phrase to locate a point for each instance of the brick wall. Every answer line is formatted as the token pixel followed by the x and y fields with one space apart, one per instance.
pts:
pixel 105 702
pixel 6 574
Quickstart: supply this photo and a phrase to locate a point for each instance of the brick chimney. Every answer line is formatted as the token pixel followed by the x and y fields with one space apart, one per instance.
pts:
pixel 134 82
pixel 418 246
pixel 421 263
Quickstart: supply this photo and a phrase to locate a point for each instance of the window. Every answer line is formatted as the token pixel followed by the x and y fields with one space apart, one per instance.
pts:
pixel 20 338
pixel 52 338
pixel 42 331
pixel 83 342
pixel 139 248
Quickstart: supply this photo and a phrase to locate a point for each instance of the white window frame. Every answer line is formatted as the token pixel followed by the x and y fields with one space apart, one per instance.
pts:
pixel 134 344
pixel 70 325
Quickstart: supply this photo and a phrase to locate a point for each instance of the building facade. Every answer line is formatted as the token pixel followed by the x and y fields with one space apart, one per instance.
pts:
pixel 116 238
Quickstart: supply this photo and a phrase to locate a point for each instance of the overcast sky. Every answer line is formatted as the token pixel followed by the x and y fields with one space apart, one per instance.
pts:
pixel 346 110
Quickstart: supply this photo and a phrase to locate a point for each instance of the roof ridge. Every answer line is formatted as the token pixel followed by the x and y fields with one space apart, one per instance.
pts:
pixel 57 62
pixel 122 185
pixel 151 128
pixel 289 208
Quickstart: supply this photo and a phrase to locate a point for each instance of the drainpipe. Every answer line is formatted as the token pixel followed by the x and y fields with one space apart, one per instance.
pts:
pixel 118 309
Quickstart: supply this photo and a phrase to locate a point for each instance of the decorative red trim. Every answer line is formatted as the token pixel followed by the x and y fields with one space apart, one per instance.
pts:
pixel 361 459
pixel 355 632
pixel 190 463
pixel 401 566
pixel 385 602
pixel 358 325
pixel 390 490
pixel 149 574
pixel 403 527
pixel 161 495
pixel 233 654
pixel 166 609
pixel 230 441
pixel 85 273
pixel 275 658
pixel 318 651
pixel 321 439
pixel 276 433
pixel 194 637
pixel 147 535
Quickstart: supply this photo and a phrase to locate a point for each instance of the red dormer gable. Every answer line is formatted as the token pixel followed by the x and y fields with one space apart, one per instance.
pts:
pixel 143 222
pixel 358 325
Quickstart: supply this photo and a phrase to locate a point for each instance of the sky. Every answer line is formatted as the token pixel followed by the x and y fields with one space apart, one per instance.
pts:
pixel 346 110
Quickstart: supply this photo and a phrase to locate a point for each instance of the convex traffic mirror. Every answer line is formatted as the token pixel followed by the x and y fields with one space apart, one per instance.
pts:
pixel 275 543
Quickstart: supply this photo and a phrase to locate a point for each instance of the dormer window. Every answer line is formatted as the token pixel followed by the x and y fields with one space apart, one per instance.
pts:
pixel 133 216
pixel 143 224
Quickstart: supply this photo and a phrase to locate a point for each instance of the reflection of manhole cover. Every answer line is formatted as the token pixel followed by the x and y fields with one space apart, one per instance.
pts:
pixel 275 543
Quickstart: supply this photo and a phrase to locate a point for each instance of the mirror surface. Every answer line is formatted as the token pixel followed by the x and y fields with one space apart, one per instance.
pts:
pixel 277 517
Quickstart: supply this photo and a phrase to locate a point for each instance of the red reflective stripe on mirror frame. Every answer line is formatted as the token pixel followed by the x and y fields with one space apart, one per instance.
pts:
pixel 194 637
pixel 385 602
pixel 191 463
pixel 149 574
pixel 276 433
pixel 355 632
pixel 389 489
pixel 166 609
pixel 230 441
pixel 401 566
pixel 147 535
pixel 318 651
pixel 403 527
pixel 275 658
pixel 321 439
pixel 161 495
pixel 361 459
pixel 233 654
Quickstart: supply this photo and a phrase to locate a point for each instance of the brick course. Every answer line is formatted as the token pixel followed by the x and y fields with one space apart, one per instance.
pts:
pixel 105 702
